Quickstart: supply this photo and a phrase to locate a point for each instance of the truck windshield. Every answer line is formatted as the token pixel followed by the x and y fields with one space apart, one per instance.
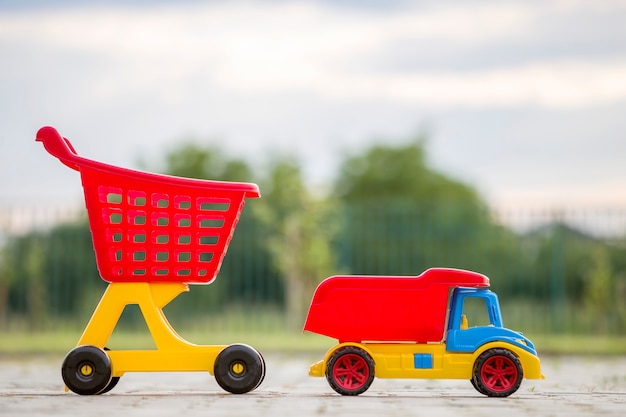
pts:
pixel 475 309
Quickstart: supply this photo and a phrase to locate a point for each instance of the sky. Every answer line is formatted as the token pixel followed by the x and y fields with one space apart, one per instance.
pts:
pixel 523 99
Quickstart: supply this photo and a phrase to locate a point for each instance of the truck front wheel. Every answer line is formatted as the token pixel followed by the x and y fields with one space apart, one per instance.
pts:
pixel 350 371
pixel 497 373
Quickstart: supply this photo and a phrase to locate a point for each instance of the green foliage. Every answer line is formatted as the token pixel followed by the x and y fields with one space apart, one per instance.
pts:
pixel 385 173
pixel 388 213
pixel 207 162
pixel 51 272
pixel 247 273
pixel 300 235
pixel 604 292
pixel 600 288
pixel 403 217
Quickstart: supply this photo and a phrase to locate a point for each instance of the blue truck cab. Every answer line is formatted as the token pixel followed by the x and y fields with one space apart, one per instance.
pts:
pixel 465 305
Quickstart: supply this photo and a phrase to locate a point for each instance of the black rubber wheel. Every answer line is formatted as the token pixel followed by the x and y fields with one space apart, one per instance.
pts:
pixel 239 369
pixel 497 373
pixel 350 371
pixel 263 372
pixel 114 380
pixel 111 385
pixel 478 387
pixel 86 370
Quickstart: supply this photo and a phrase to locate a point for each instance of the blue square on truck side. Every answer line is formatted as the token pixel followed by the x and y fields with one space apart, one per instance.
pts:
pixel 422 361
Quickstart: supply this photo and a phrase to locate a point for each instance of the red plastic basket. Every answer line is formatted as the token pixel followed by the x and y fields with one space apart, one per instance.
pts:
pixel 148 227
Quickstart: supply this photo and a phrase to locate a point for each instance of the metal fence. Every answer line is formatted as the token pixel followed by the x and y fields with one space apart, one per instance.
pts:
pixel 560 271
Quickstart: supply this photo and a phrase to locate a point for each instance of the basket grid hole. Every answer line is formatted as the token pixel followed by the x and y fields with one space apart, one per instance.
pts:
pixel 137 219
pixel 184 239
pixel 182 203
pixel 205 256
pixel 160 200
pixel 114 198
pixel 161 221
pixel 136 198
pixel 211 223
pixel 184 222
pixel 139 201
pixel 162 256
pixel 115 218
pixel 162 239
pixel 208 240
pixel 139 256
pixel 139 238
pixel 215 206
pixel 184 256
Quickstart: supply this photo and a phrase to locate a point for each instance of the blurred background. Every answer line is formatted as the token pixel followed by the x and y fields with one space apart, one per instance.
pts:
pixel 386 136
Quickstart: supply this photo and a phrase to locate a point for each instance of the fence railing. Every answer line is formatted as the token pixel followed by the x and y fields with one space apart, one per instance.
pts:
pixel 554 271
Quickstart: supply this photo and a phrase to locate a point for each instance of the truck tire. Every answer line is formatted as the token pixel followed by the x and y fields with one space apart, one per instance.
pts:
pixel 350 371
pixel 497 373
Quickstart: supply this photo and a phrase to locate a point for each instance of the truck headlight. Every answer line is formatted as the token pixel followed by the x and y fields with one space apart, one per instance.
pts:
pixel 521 342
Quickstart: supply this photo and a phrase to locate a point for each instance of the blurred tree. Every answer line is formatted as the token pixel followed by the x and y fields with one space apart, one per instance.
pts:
pixel 386 173
pixel 70 269
pixel 600 288
pixel 403 216
pixel 23 270
pixel 390 213
pixel 617 258
pixel 51 272
pixel 207 162
pixel 7 279
pixel 557 257
pixel 247 271
pixel 301 229
pixel 604 292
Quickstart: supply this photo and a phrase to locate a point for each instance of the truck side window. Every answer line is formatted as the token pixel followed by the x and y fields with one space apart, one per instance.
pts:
pixel 475 309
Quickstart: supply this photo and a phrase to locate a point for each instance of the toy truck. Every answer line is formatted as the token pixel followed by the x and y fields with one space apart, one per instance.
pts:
pixel 417 327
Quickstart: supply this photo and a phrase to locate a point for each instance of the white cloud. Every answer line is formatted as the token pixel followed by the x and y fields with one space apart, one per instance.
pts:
pixel 306 48
pixel 564 84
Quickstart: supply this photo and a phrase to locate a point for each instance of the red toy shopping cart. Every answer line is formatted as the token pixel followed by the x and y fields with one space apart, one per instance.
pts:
pixel 153 235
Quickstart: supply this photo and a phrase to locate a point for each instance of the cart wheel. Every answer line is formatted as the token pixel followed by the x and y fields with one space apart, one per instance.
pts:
pixel 497 373
pixel 350 371
pixel 86 370
pixel 112 384
pixel 239 369
pixel 262 372
pixel 114 380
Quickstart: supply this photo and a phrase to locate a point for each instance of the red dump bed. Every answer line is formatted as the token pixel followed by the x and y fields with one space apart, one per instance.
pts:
pixel 387 308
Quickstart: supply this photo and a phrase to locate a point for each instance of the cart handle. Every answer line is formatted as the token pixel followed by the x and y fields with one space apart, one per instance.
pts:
pixel 58 146
pixel 61 148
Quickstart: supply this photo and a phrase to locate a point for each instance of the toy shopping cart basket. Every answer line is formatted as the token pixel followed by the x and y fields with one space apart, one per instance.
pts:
pixel 153 234
pixel 148 227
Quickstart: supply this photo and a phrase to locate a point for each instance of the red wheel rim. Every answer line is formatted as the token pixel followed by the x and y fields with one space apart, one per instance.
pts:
pixel 351 371
pixel 499 373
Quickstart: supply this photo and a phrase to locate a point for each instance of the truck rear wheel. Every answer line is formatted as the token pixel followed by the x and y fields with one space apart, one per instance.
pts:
pixel 497 373
pixel 350 371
